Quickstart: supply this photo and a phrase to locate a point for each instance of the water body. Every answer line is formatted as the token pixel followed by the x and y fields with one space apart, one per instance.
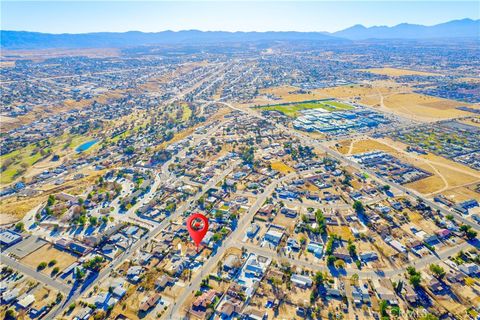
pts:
pixel 86 145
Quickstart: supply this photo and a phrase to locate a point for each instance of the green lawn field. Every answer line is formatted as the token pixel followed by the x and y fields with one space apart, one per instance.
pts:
pixel 292 109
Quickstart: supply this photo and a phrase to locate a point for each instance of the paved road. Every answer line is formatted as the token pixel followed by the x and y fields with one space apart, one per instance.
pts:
pixel 63 288
pixel 245 222
pixel 364 274
pixel 140 243
pixel 234 237
pixel 340 157
pixel 233 240
pixel 165 177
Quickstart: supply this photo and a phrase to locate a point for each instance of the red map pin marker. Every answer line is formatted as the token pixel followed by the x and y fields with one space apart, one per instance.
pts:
pixel 197 225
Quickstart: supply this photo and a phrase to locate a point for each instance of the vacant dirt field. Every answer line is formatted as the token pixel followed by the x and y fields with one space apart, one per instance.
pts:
pixel 461 194
pixel 282 167
pixel 43 54
pixel 46 254
pixel 17 207
pixel 386 95
pixel 421 107
pixel 291 94
pixel 342 231
pixel 447 174
pixel 8 219
pixel 394 72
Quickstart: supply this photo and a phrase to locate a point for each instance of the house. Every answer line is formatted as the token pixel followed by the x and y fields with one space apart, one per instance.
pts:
pixel 133 273
pixel 102 299
pixel 83 314
pixel 465 206
pixel 176 267
pixel 117 288
pixel 469 269
pixel 231 262
pixel 254 266
pixel 119 292
pixel 455 277
pixel 9 238
pixel 230 306
pixel 266 210
pixel 79 248
pixel 433 284
pixel 342 253
pixel 409 293
pixel 273 236
pixel 10 296
pixel 368 256
pixel 301 281
pixel 316 248
pixel 254 314
pixel 144 257
pixel 293 244
pixel 200 305
pixel 384 290
pixel 333 290
pixel 443 233
pixel 26 301
pixel 252 230
pixel 360 295
pixel 163 281
pixel 149 302
pixel 289 213
pixel 397 245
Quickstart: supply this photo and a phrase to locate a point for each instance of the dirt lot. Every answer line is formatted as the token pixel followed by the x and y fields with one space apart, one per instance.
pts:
pixel 343 231
pixel 394 72
pixel 282 220
pixel 43 297
pixel 461 194
pixel 421 107
pixel 447 174
pixel 281 167
pixel 46 254
pixel 386 95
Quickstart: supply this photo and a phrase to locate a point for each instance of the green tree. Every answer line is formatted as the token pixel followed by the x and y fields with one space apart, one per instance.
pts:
pixel 331 260
pixel 51 200
pixel 10 314
pixel 396 311
pixel 428 316
pixel 383 305
pixel 358 207
pixel 93 220
pixel 352 249
pixel 415 280
pixel 55 270
pixel 41 266
pixel 318 278
pixel 20 227
pixel 437 270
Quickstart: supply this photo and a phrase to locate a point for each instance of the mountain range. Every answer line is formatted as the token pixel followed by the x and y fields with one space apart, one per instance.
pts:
pixel 465 28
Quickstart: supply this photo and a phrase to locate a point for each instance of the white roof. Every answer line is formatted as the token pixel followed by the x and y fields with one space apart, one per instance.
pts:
pixel 26 301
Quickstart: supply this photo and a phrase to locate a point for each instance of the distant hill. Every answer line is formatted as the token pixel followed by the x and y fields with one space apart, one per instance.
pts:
pixel 35 40
pixel 465 28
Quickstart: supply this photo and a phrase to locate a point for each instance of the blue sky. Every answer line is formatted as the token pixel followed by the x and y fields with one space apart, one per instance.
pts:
pixel 152 16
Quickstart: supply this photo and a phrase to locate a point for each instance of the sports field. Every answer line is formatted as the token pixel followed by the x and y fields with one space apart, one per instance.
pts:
pixel 292 109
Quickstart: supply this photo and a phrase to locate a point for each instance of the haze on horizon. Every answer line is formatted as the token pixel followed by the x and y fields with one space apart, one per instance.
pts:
pixel 121 16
